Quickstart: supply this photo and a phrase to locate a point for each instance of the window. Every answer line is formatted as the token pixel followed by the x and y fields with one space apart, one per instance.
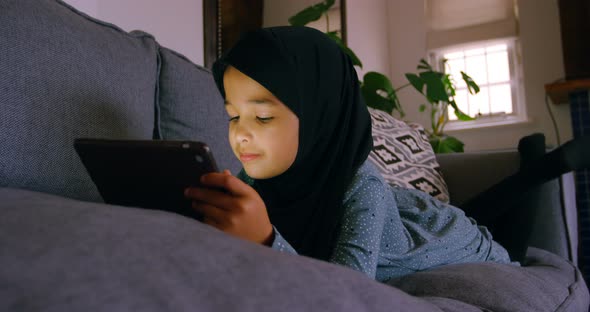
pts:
pixel 480 38
pixel 493 66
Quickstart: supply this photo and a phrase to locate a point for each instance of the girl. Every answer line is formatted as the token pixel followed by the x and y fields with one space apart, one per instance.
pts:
pixel 302 132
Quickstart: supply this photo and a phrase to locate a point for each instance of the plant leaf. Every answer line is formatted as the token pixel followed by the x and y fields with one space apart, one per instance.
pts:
pixel 379 93
pixel 422 108
pixel 311 13
pixel 471 85
pixel 379 81
pixel 448 84
pixel 335 35
pixel 355 60
pixel 424 65
pixel 435 88
pixel 460 115
pixel 416 82
pixel 446 144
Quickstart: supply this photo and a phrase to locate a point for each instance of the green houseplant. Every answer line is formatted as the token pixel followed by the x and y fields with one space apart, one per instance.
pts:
pixel 438 88
pixel 439 91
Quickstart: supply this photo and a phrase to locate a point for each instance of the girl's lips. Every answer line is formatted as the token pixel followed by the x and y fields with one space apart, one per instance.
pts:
pixel 248 157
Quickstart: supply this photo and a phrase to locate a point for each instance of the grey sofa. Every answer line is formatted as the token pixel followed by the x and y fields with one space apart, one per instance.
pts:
pixel 66 75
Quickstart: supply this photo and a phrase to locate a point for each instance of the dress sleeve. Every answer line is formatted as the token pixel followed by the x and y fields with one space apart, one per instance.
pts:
pixel 359 240
pixel 281 244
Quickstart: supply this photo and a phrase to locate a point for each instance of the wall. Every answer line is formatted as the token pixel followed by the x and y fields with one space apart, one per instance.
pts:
pixel 389 37
pixel 366 22
pixel 176 24
pixel 407 45
pixel 541 60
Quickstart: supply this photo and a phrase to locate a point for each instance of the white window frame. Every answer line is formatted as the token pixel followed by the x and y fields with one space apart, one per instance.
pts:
pixel 519 114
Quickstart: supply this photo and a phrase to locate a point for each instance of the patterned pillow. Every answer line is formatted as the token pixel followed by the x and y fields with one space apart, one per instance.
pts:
pixel 404 156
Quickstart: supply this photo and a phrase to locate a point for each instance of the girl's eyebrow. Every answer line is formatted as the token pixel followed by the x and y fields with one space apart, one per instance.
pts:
pixel 260 101
pixel 253 101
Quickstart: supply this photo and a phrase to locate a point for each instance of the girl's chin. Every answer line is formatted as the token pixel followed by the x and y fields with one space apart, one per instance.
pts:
pixel 256 173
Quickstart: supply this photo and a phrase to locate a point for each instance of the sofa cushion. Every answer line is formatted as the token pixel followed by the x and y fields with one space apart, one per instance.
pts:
pixel 544 282
pixel 61 254
pixel 191 108
pixel 66 75
pixel 404 156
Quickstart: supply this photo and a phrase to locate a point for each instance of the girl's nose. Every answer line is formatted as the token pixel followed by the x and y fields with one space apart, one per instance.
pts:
pixel 242 133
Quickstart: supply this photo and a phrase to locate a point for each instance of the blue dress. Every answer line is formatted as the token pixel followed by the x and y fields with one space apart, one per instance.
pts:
pixel 388 232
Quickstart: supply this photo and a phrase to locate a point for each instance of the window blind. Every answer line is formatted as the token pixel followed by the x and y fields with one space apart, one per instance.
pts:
pixel 452 22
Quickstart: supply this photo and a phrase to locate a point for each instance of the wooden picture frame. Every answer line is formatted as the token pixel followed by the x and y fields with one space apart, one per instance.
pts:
pixel 225 20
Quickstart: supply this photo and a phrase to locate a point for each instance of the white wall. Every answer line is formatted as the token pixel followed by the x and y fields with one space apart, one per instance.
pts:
pixel 176 24
pixel 542 64
pixel 366 32
pixel 366 28
pixel 389 36
pixel 407 45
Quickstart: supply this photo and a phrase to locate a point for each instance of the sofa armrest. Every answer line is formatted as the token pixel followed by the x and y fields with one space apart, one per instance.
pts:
pixel 554 225
pixel 468 174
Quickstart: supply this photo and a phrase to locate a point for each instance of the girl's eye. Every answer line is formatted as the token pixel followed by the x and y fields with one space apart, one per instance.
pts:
pixel 264 119
pixel 234 118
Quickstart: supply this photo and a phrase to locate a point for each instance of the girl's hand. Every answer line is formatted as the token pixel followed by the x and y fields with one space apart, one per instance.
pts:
pixel 238 211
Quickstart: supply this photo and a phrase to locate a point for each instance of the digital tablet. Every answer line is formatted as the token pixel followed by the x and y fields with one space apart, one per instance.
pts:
pixel 146 173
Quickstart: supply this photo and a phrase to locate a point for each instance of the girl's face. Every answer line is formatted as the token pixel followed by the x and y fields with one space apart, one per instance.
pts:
pixel 263 132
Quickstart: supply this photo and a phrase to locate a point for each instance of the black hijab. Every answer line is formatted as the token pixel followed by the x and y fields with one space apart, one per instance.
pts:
pixel 310 74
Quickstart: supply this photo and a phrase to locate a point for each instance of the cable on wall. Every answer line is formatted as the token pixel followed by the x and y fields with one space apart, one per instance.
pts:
pixel 555 127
